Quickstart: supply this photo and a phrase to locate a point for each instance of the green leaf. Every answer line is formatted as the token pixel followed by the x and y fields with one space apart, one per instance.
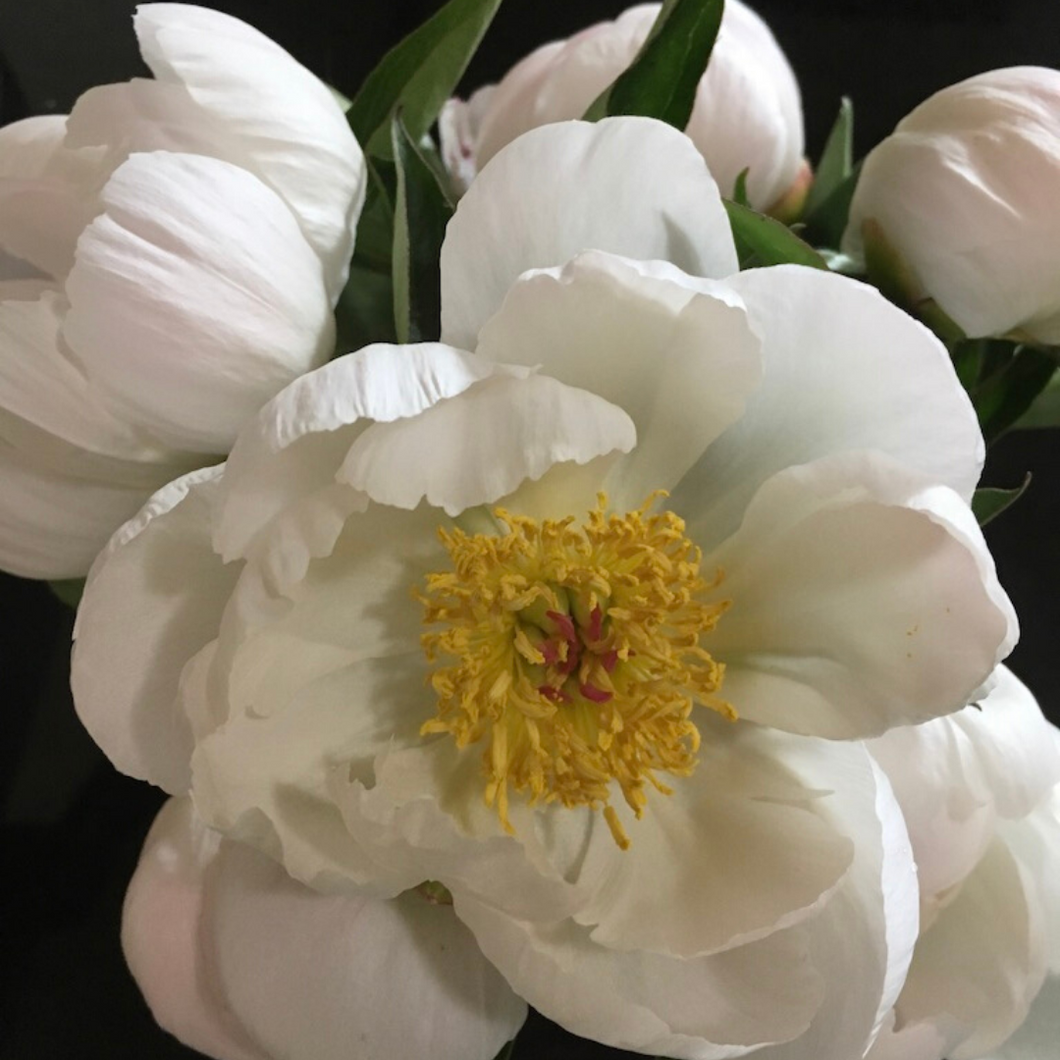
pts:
pixel 68 590
pixel 421 213
pixel 837 158
pixel 989 503
pixel 827 221
pixel 364 313
pixel 507 1052
pixel 419 74
pixel 739 192
pixel 663 78
pixel 1045 409
pixel 761 240
pixel 1005 395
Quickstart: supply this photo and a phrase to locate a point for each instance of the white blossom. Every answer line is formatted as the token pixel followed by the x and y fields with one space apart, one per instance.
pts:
pixel 171 255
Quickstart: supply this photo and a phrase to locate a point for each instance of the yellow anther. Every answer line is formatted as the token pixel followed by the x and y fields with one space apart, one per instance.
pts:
pixel 575 653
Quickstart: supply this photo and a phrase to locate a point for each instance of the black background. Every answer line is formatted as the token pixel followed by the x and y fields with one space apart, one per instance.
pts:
pixel 71 826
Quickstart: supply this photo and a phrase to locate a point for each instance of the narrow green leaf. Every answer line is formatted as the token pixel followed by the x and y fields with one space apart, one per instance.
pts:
pixel 739 192
pixel 364 313
pixel 989 503
pixel 68 590
pixel 663 78
pixel 1003 397
pixel 837 158
pixel 827 221
pixel 761 240
pixel 421 213
pixel 419 74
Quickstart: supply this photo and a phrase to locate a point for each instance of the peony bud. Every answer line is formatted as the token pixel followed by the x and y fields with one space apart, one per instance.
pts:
pixel 965 189
pixel 747 115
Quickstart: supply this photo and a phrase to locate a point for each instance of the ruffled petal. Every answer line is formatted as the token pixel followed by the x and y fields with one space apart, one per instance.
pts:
pixel 479 446
pixel 843 370
pixel 225 90
pixel 162 938
pixel 642 191
pixel 194 299
pixel 309 973
pixel 862 597
pixel 680 363
pixel 152 600
pixel 296 443
pixel 983 960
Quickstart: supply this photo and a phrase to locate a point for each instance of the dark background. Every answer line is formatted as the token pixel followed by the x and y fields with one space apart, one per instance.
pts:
pixel 72 827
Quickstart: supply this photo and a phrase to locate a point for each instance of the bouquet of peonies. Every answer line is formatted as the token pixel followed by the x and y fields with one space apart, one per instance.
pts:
pixel 535 539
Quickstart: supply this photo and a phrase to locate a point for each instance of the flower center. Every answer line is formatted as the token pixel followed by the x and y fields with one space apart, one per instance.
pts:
pixel 573 652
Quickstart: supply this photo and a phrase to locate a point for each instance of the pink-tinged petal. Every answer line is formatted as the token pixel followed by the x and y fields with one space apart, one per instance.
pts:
pixel 162 936
pixel 47 193
pixel 225 90
pixel 843 369
pixel 154 597
pixel 481 445
pixel 863 597
pixel 680 362
pixel 194 299
pixel 643 191
pixel 311 974
pixel 297 442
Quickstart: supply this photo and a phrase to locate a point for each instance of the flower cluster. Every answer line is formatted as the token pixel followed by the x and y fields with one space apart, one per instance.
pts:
pixel 614 634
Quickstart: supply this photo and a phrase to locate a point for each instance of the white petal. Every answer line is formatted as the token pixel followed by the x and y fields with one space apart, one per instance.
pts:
pixel 194 299
pixel 60 503
pixel 162 940
pixel 39 383
pixel 638 189
pixel 1017 754
pixel 47 193
pixel 862 597
pixel 152 600
pixel 863 941
pixel 1035 842
pixel 681 363
pixel 479 446
pixel 983 960
pixel 843 370
pixel 296 443
pixel 309 974
pixel 693 880
pixel 705 1008
pixel 963 189
pixel 318 684
pixel 1037 1037
pixel 224 89
pixel 927 1040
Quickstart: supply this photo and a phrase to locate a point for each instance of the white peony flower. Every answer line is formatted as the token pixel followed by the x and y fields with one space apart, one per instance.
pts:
pixel 747 115
pixel 980 792
pixel 965 188
pixel 172 253
pixel 438 620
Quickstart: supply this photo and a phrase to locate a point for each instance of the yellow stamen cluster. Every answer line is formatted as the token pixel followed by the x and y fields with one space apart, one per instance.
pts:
pixel 576 655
